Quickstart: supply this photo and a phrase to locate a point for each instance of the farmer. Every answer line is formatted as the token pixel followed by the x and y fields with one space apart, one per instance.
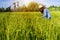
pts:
pixel 44 11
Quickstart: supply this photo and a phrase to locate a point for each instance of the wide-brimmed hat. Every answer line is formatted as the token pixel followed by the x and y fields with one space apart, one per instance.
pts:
pixel 41 5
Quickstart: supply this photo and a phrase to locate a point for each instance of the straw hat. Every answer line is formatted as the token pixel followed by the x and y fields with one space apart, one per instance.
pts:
pixel 41 5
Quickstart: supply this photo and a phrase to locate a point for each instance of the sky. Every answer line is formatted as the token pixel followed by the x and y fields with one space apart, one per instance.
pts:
pixel 47 3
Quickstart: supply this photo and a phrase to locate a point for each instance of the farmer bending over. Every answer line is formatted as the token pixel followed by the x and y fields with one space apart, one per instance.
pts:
pixel 44 11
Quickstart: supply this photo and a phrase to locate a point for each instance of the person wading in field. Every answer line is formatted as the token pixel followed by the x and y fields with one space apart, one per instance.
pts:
pixel 44 11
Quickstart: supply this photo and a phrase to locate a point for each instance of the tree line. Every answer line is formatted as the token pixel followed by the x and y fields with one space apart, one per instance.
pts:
pixel 54 8
pixel 32 7
pixel 8 9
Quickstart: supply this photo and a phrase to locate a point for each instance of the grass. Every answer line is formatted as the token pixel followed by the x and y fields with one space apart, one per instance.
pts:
pixel 29 26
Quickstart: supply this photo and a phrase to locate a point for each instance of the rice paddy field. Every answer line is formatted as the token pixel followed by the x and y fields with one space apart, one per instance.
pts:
pixel 29 26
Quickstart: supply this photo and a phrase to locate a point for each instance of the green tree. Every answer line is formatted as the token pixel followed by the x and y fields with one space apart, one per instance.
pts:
pixel 8 9
pixel 2 9
pixel 53 8
pixel 59 8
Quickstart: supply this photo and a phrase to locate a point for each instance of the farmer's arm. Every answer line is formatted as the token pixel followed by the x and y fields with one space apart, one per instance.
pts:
pixel 49 16
pixel 44 13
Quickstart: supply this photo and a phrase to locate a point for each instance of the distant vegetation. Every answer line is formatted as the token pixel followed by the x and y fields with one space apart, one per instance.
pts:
pixel 32 7
pixel 8 9
pixel 55 8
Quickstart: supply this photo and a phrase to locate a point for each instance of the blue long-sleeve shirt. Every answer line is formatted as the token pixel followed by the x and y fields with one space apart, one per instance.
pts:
pixel 46 14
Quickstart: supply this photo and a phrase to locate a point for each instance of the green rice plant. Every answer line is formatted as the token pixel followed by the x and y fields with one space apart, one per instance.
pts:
pixel 29 26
